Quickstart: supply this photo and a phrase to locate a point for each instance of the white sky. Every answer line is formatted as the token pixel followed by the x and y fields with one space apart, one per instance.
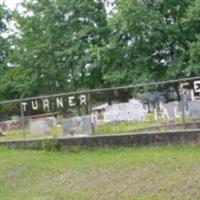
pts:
pixel 11 3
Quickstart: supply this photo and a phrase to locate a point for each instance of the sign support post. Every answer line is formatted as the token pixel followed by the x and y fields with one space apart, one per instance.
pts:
pixel 22 120
pixel 183 108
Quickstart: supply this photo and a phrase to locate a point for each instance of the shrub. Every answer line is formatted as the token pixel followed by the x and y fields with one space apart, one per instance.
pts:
pixel 51 145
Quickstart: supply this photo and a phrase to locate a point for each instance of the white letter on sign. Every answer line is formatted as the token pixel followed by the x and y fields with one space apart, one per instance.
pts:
pixel 34 105
pixel 59 102
pixel 82 99
pixel 24 104
pixel 45 104
pixel 197 86
pixel 71 101
pixel 183 84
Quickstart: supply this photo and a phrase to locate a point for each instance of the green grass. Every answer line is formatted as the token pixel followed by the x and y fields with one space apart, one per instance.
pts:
pixel 126 127
pixel 156 173
pixel 134 127
pixel 149 123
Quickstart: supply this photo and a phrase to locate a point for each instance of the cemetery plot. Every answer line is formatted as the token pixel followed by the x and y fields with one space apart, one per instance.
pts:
pixel 166 106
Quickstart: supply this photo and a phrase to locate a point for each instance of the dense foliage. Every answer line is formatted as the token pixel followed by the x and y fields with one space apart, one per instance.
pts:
pixel 65 45
pixel 4 49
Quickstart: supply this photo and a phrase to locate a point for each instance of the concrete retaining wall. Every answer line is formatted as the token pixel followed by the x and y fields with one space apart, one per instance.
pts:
pixel 143 139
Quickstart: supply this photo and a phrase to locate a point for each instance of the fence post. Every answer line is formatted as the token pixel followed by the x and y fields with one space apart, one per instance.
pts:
pixel 183 110
pixel 90 112
pixel 22 120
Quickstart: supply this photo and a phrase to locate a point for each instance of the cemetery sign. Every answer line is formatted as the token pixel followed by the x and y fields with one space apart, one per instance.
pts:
pixel 66 101
pixel 46 104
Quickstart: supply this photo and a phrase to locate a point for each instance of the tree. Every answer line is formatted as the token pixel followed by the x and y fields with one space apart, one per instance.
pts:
pixel 193 21
pixel 55 44
pixel 149 41
pixel 4 50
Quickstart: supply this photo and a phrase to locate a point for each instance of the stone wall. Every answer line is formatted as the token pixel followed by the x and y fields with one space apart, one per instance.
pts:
pixel 130 140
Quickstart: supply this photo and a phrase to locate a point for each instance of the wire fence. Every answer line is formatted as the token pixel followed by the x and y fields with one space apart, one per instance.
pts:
pixel 159 106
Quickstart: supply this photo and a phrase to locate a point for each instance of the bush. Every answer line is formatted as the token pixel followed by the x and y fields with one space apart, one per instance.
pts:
pixel 51 145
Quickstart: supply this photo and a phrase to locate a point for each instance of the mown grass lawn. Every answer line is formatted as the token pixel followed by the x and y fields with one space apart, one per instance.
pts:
pixel 154 173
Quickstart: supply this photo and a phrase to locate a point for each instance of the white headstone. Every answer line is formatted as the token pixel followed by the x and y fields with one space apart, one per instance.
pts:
pixel 39 127
pixel 194 109
pixel 131 111
pixel 77 125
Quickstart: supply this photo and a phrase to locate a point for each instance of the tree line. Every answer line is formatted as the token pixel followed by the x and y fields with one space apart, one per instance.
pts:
pixel 68 45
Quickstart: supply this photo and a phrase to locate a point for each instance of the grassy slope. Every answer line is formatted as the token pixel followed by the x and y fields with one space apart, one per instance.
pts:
pixel 159 173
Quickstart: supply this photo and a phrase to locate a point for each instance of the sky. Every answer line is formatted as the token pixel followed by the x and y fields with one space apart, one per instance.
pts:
pixel 11 4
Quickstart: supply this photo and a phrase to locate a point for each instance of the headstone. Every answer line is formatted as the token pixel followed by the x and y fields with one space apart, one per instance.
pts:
pixel 86 123
pixel 174 109
pixel 1 132
pixel 39 127
pixel 131 111
pixel 51 122
pixel 171 109
pixel 77 125
pixel 194 109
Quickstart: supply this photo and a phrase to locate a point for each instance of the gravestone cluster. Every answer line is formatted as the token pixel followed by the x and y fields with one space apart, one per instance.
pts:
pixel 42 126
pixel 174 109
